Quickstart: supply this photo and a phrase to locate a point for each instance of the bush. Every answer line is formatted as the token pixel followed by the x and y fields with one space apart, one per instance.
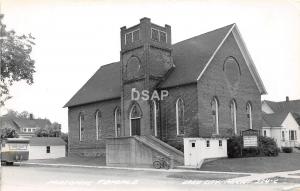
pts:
pixel 287 149
pixel 266 147
pixel 234 145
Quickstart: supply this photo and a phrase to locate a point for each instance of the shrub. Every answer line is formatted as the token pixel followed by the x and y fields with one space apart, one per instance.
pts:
pixel 266 147
pixel 287 149
pixel 234 145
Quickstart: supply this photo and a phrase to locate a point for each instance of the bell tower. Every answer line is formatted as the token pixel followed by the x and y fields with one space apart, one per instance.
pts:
pixel 146 57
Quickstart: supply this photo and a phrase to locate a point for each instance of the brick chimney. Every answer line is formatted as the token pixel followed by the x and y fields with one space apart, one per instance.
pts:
pixel 287 98
pixel 31 116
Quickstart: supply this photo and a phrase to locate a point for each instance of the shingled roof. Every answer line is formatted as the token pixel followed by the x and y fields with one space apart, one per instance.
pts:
pixel 274 119
pixel 103 85
pixel 190 58
pixel 17 123
pixel 291 105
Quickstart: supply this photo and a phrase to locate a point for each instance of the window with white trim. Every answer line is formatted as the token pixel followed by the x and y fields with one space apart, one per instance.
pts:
pixel 117 115
pixel 233 115
pixel 215 114
pixel 180 116
pixel 293 135
pixel 80 126
pixel 265 133
pixel 158 35
pixel 155 116
pixel 132 36
pixel 98 124
pixel 249 114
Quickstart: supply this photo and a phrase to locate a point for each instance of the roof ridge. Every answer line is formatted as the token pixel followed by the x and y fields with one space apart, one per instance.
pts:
pixel 177 43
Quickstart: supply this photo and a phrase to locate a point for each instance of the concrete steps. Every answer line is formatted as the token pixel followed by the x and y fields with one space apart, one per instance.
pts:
pixel 162 147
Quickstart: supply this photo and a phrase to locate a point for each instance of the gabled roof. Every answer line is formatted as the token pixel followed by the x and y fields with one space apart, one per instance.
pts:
pixel 274 119
pixel 46 141
pixel 6 121
pixel 18 123
pixel 104 84
pixel 296 115
pixel 191 57
pixel 31 122
pixel 291 105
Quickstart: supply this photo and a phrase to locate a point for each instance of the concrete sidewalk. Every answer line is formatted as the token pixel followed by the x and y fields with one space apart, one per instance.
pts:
pixel 263 176
pixel 133 168
pixel 244 179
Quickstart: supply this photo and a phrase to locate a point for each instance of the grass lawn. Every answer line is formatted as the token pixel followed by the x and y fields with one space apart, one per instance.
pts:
pixel 283 162
pixel 92 161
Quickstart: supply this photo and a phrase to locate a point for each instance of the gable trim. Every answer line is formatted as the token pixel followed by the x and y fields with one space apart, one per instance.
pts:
pixel 267 105
pixel 289 114
pixel 237 35
pixel 215 52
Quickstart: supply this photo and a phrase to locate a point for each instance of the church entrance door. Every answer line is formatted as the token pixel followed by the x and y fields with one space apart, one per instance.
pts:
pixel 135 120
pixel 136 126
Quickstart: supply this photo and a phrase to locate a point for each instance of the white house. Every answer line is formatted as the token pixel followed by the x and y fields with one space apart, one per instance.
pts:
pixel 283 127
pixel 281 121
pixel 46 148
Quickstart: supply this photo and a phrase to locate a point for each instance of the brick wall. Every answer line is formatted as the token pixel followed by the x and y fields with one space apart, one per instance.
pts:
pixel 214 82
pixel 168 131
pixel 89 146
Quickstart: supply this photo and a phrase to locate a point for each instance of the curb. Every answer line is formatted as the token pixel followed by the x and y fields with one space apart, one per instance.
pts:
pixel 134 169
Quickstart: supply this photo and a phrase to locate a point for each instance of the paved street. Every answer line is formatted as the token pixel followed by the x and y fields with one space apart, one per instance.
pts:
pixel 36 178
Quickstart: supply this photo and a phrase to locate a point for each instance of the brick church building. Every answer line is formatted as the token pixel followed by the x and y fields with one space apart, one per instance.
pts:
pixel 214 90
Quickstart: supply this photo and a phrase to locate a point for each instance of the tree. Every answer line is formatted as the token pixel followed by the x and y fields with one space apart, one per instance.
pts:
pixel 54 130
pixel 23 114
pixel 8 133
pixel 15 61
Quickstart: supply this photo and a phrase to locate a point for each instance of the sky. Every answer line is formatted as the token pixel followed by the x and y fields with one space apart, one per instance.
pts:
pixel 75 37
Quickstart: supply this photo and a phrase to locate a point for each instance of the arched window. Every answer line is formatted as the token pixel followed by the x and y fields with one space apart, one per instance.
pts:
pixel 135 116
pixel 233 115
pixel 215 114
pixel 155 115
pixel 180 116
pixel 80 119
pixel 117 115
pixel 98 124
pixel 249 114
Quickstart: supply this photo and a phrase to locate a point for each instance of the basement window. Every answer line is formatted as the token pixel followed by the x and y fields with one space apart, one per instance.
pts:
pixel 48 149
